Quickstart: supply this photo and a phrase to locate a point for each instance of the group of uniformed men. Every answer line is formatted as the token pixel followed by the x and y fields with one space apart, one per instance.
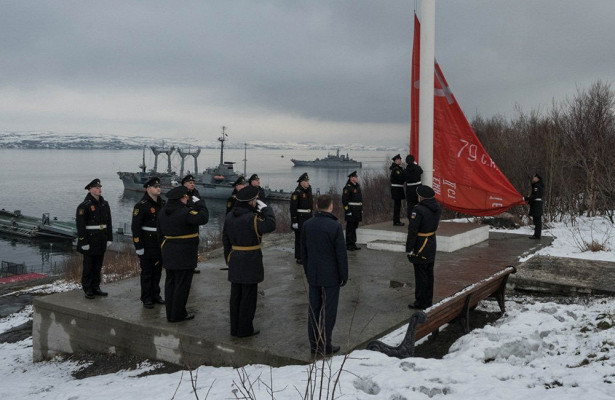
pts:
pixel 167 234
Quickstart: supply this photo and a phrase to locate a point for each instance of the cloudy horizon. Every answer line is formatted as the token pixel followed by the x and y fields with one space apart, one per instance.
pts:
pixel 331 72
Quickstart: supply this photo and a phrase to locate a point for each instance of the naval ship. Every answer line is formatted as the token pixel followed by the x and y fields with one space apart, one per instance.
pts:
pixel 331 161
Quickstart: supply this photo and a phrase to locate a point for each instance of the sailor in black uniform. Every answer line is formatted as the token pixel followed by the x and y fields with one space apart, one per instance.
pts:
pixel 178 234
pixel 193 197
pixel 535 200
pixel 397 188
pixel 239 184
pixel 421 244
pixel 145 239
pixel 243 229
pixel 301 204
pixel 256 182
pixel 413 174
pixel 352 201
pixel 95 235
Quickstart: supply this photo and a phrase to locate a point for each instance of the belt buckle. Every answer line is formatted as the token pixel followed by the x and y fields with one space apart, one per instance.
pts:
pixel 101 227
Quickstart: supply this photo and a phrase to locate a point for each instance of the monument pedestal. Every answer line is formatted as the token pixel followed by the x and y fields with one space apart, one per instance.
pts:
pixel 451 236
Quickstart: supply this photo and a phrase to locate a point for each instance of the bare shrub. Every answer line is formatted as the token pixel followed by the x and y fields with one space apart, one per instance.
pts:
pixel 120 263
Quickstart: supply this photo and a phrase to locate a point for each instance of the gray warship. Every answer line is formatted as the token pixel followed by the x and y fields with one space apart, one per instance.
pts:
pixel 331 161
pixel 135 180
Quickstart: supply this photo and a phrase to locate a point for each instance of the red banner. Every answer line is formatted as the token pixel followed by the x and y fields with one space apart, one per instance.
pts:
pixel 465 178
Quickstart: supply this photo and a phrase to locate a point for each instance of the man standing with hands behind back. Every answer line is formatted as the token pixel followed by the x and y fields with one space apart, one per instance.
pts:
pixel 95 235
pixel 301 203
pixel 145 239
pixel 325 262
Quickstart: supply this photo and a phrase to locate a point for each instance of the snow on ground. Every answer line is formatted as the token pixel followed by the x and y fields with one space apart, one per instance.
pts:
pixel 537 350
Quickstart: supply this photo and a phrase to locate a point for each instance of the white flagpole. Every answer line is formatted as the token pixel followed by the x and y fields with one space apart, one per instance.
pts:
pixel 426 93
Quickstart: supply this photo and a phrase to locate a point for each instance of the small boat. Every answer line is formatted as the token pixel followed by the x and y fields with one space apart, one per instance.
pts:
pixel 14 223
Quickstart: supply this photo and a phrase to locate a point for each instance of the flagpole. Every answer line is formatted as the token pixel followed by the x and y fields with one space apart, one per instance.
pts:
pixel 426 93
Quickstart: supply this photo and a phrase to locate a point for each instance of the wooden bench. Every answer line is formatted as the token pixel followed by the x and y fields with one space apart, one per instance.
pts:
pixel 456 307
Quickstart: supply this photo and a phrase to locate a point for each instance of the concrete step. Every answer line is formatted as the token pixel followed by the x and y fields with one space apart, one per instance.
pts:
pixel 387 245
pixel 451 236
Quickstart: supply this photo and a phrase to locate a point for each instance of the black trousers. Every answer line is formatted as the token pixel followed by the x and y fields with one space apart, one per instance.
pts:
pixel 537 225
pixel 351 232
pixel 298 243
pixel 176 291
pixel 151 271
pixel 243 308
pixel 321 316
pixel 90 276
pixel 423 278
pixel 396 210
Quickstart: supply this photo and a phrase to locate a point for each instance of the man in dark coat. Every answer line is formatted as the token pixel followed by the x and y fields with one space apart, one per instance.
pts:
pixel 535 200
pixel 239 184
pixel 398 178
pixel 301 203
pixel 95 235
pixel 352 201
pixel 412 174
pixel 193 197
pixel 243 229
pixel 421 245
pixel 145 238
pixel 178 233
pixel 256 182
pixel 325 263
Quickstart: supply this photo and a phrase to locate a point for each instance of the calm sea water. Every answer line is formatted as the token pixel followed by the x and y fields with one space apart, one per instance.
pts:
pixel 39 181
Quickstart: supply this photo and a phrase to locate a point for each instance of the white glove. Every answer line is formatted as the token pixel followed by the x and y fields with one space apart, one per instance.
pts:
pixel 140 252
pixel 86 247
pixel 260 205
pixel 109 243
pixel 195 199
pixel 295 226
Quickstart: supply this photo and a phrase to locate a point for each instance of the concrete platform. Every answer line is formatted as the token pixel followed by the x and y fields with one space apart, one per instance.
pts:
pixel 373 303
pixel 451 236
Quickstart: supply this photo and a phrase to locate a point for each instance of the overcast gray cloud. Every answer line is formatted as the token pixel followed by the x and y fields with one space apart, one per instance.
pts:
pixel 331 71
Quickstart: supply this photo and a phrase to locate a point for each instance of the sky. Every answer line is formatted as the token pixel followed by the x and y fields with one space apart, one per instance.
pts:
pixel 538 350
pixel 325 71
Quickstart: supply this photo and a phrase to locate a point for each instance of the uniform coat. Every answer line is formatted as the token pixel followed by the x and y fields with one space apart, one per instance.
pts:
pixel 244 227
pixel 301 205
pixel 179 253
pixel 325 263
pixel 421 248
pixel 353 213
pixel 145 214
pixel 92 212
pixel 535 201
pixel 398 179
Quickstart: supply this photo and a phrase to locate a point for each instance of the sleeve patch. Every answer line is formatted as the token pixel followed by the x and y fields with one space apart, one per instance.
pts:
pixel 135 212
pixel 81 211
pixel 294 197
pixel 194 212
pixel 413 216
pixel 136 240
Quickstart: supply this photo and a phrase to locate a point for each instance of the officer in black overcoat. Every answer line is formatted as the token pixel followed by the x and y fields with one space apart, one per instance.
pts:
pixel 301 204
pixel 243 229
pixel 239 184
pixel 256 182
pixel 412 174
pixel 325 263
pixel 421 244
pixel 178 234
pixel 95 235
pixel 398 179
pixel 145 238
pixel 193 197
pixel 535 200
pixel 352 201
